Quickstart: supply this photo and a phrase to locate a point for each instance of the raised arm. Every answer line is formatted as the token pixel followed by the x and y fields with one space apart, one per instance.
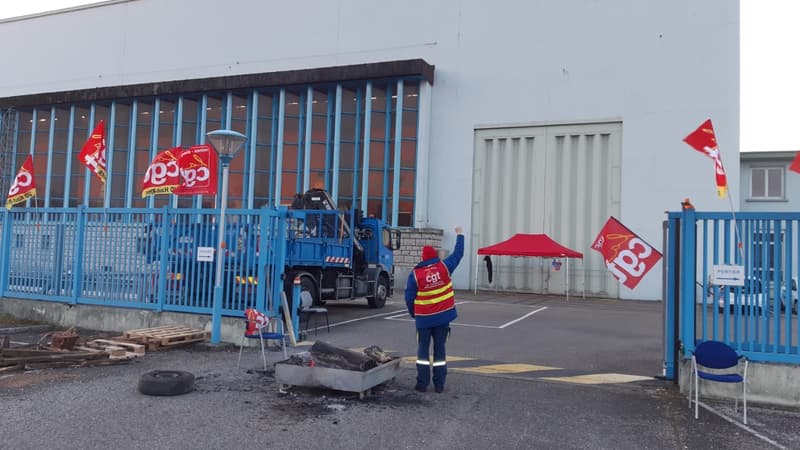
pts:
pixel 451 262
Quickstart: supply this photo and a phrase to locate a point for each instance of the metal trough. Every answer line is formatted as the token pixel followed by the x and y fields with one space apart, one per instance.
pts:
pixel 288 375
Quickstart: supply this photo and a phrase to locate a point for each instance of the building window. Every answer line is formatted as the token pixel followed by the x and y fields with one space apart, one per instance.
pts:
pixel 356 139
pixel 767 183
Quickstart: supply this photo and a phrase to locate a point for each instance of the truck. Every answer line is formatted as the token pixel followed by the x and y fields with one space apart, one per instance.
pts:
pixel 335 254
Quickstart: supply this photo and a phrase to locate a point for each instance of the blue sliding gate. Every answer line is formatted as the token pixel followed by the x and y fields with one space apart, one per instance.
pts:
pixel 144 258
pixel 758 319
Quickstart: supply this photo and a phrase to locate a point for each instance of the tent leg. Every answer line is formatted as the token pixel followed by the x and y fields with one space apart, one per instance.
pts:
pixel 475 287
pixel 566 282
pixel 583 287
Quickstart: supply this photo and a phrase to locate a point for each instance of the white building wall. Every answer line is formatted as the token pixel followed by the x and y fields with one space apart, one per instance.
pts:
pixel 660 68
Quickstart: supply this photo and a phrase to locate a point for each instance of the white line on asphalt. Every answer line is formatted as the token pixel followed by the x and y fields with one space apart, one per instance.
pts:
pixel 403 311
pixel 335 324
pixel 452 324
pixel 742 426
pixel 521 318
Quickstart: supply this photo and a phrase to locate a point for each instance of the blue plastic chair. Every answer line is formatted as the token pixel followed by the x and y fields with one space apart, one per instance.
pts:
pixel 261 333
pixel 719 356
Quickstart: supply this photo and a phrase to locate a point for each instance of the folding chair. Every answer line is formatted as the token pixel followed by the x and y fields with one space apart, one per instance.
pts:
pixel 716 355
pixel 256 327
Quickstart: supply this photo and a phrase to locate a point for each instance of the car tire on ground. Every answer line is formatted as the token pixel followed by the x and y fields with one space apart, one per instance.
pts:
pixel 166 382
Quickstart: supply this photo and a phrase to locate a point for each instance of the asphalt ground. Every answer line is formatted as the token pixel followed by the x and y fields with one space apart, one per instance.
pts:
pixel 617 404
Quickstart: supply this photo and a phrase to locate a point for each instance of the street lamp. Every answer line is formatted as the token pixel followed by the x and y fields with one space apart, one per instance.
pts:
pixel 226 143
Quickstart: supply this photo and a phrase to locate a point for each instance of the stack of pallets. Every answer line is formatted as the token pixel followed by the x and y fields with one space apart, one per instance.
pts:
pixel 159 338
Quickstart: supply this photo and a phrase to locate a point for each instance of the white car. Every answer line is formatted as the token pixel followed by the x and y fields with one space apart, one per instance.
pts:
pixel 752 296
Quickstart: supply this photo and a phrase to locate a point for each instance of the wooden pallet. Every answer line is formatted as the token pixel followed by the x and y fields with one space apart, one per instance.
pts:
pixel 116 349
pixel 167 336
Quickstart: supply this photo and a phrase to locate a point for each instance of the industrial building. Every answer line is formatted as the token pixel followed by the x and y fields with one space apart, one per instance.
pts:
pixel 504 117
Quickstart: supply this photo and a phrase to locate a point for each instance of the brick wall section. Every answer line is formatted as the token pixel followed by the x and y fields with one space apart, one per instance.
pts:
pixel 410 253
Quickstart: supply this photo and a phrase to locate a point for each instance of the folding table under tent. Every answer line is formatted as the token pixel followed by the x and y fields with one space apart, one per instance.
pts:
pixel 530 245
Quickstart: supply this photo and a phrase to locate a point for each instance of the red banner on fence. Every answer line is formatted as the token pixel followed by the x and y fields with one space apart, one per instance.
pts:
pixel 93 153
pixel 163 175
pixel 626 255
pixel 24 186
pixel 198 168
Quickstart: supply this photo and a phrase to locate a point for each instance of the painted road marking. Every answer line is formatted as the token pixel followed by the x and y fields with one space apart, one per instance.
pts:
pixel 400 317
pixel 600 378
pixel 336 324
pixel 413 359
pixel 504 368
pixel 523 317
pixel 742 426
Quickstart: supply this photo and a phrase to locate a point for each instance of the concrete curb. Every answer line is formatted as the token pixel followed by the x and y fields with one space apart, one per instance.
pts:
pixel 26 329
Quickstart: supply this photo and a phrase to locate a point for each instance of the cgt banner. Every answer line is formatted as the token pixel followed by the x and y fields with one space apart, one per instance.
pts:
pixel 24 186
pixel 93 153
pixel 163 174
pixel 198 168
pixel 627 256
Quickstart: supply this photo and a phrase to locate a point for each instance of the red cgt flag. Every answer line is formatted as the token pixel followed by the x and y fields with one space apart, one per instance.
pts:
pixel 24 186
pixel 93 153
pixel 795 166
pixel 163 175
pixel 626 255
pixel 198 167
pixel 704 141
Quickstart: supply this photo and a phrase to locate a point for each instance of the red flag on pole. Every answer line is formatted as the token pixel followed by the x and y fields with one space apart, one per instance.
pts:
pixel 198 167
pixel 163 174
pixel 704 141
pixel 93 153
pixel 24 186
pixel 626 255
pixel 795 166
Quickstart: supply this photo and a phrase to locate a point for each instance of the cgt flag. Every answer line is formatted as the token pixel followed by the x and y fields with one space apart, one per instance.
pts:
pixel 198 167
pixel 93 153
pixel 626 255
pixel 163 175
pixel 704 141
pixel 24 186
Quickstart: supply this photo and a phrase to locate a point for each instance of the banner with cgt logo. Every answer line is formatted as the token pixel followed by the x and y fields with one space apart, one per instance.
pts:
pixel 181 171
pixel 198 168
pixel 626 255
pixel 163 174
pixel 24 186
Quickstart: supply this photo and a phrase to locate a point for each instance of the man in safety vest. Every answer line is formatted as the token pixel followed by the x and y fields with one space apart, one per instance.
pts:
pixel 430 301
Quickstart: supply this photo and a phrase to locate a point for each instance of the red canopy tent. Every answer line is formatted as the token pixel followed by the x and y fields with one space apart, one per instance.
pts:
pixel 529 245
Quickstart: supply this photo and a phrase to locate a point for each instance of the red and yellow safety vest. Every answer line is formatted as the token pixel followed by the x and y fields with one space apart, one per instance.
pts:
pixel 434 290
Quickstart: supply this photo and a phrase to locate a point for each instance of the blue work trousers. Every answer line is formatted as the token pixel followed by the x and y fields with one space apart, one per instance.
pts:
pixel 439 335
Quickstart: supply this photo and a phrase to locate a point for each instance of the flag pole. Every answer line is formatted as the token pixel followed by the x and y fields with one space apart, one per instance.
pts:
pixel 739 243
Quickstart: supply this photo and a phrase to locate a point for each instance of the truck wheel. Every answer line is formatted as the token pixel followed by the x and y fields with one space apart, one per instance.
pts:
pixel 307 285
pixel 166 382
pixel 381 292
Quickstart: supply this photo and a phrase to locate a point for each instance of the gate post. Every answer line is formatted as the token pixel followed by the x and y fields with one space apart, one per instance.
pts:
pixel 266 226
pixel 5 263
pixel 163 257
pixel 672 256
pixel 80 250
pixel 687 274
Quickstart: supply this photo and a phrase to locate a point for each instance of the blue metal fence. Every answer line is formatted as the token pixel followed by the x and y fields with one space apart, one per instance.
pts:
pixel 144 258
pixel 758 319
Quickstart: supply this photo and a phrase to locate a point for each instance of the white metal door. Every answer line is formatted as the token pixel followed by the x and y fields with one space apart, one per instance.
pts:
pixel 562 180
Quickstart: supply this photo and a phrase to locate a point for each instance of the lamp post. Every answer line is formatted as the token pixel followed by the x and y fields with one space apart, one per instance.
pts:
pixel 226 143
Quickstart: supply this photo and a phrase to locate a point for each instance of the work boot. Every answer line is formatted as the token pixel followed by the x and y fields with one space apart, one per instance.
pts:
pixel 420 388
pixel 439 389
